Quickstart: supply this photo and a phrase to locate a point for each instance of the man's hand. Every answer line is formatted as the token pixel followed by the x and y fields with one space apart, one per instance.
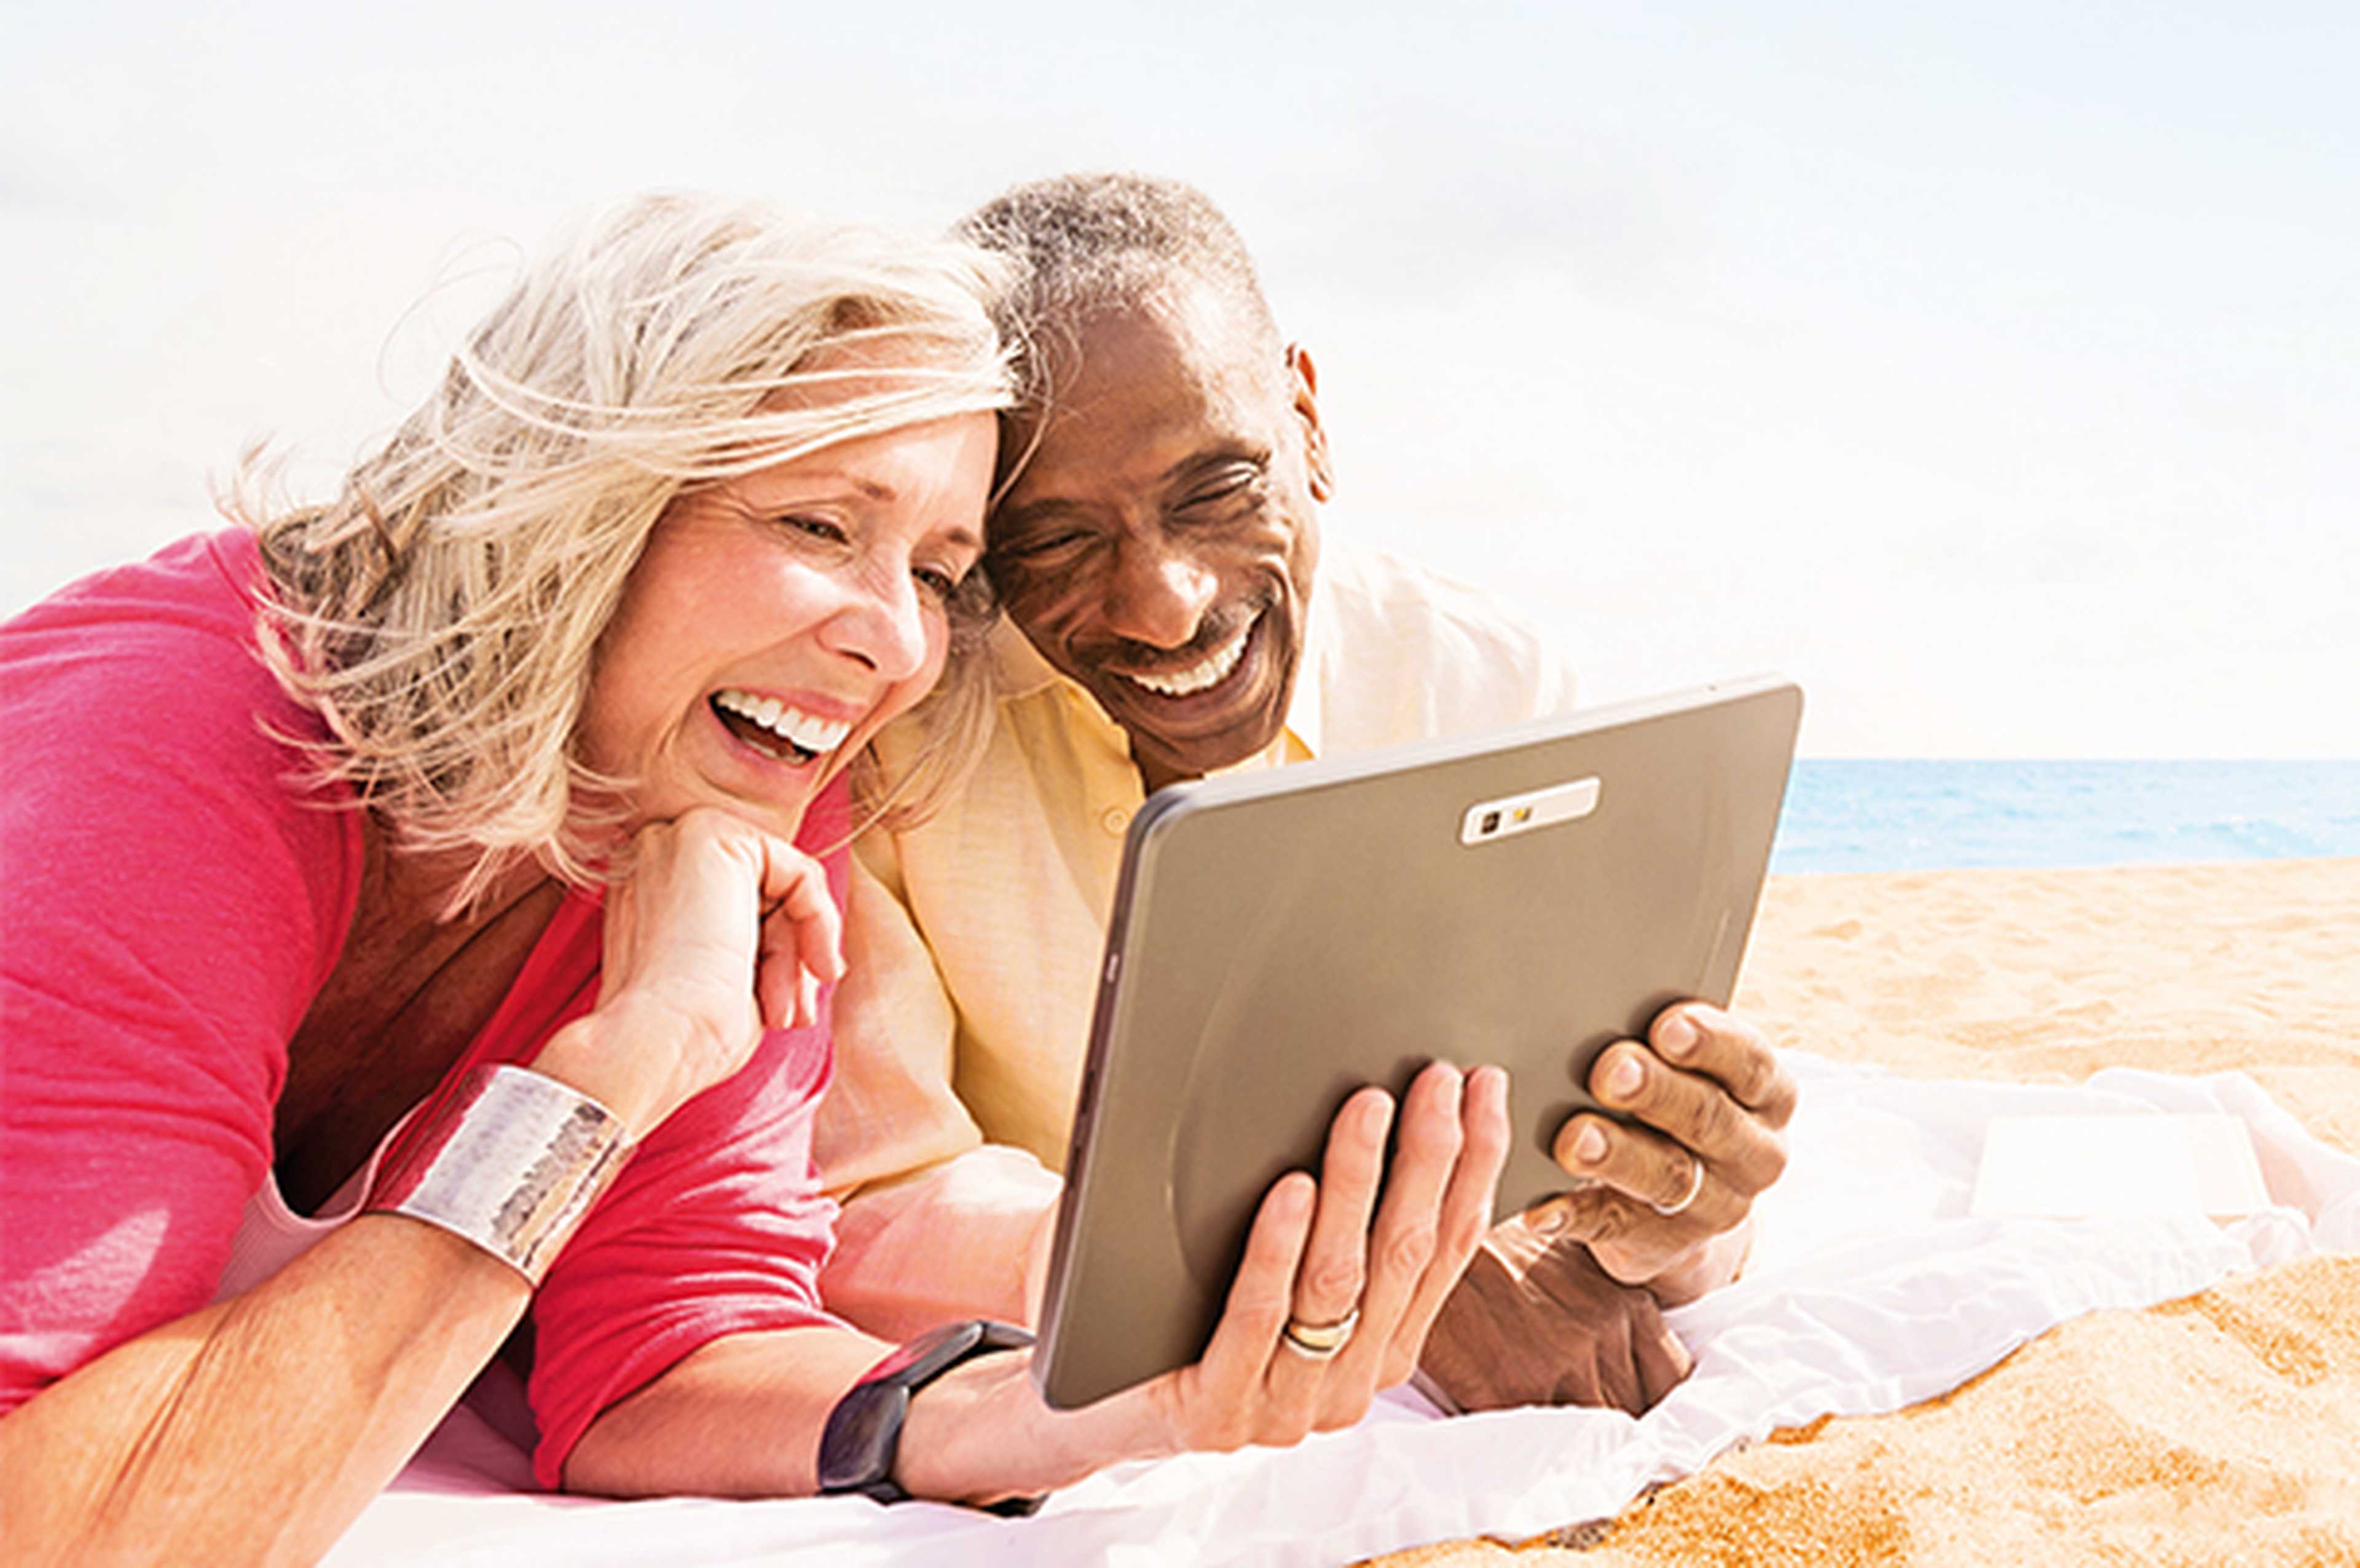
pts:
pixel 1537 1322
pixel 1666 1202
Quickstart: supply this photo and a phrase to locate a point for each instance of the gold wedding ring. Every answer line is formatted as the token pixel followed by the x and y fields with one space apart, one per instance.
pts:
pixel 1320 1341
pixel 1696 1185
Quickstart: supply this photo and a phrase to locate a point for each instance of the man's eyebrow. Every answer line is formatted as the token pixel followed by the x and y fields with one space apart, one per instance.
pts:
pixel 1186 468
pixel 1196 462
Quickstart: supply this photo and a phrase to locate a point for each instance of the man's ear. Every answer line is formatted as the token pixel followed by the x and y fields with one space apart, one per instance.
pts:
pixel 1303 377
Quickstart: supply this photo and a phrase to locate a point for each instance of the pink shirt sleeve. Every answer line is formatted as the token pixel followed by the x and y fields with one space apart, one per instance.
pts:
pixel 167 910
pixel 716 1227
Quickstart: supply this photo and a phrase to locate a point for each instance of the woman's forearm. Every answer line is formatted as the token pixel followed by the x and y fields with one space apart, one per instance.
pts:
pixel 257 1429
pixel 739 1417
pixel 742 1417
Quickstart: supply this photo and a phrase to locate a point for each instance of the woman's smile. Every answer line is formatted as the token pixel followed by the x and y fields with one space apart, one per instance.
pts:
pixel 779 730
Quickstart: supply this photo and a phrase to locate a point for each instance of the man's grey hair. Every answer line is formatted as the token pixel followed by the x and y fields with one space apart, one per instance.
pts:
pixel 1086 244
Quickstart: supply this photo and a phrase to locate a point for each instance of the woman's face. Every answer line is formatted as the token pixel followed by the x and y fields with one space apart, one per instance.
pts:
pixel 776 621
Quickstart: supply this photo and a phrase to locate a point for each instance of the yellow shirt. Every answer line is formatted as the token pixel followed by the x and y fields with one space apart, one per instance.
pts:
pixel 973 941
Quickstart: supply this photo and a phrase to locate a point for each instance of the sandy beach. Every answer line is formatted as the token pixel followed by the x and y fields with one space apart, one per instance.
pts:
pixel 2223 1427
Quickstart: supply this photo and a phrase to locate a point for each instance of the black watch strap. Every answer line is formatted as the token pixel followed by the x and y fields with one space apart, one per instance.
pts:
pixel 863 1436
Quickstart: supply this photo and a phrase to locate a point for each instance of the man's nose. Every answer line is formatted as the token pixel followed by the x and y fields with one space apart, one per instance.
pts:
pixel 1158 595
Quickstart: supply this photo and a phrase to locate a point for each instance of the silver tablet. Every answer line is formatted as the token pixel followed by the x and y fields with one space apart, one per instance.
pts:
pixel 1283 937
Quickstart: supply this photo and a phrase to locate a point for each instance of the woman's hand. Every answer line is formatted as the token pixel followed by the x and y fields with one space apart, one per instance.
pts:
pixel 721 931
pixel 1313 1257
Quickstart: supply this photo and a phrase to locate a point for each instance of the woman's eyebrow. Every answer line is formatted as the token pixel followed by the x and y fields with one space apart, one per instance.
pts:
pixel 821 484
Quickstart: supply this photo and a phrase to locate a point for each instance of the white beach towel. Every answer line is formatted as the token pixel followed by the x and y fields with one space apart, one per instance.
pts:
pixel 1871 1287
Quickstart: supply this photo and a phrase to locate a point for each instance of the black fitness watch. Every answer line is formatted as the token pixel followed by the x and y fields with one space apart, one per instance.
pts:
pixel 864 1431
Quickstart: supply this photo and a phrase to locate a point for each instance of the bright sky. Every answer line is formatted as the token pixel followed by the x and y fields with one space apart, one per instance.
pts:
pixel 1994 371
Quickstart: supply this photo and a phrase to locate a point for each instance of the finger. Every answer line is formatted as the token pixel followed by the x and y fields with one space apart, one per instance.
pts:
pixel 802 937
pixel 794 887
pixel 1307 1392
pixel 1402 1243
pixel 1701 1038
pixel 786 991
pixel 1466 1207
pixel 1691 1109
pixel 1261 1296
pixel 1328 1288
pixel 1644 1166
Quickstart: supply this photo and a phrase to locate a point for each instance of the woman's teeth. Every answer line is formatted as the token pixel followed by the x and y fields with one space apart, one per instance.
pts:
pixel 1211 672
pixel 807 735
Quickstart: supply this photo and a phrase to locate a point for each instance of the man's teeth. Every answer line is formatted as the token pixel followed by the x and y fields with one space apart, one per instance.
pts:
pixel 802 731
pixel 1212 671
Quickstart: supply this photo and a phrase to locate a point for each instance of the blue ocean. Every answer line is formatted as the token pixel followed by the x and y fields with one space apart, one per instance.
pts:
pixel 1895 815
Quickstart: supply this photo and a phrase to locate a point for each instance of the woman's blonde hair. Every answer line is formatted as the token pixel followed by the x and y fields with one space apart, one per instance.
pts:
pixel 442 613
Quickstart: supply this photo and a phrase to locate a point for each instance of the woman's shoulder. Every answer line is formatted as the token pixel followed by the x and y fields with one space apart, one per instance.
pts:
pixel 149 726
pixel 170 640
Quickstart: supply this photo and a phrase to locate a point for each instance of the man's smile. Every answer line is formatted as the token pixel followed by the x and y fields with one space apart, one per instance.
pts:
pixel 1207 672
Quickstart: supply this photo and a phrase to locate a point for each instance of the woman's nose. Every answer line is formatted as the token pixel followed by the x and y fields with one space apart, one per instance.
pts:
pixel 884 626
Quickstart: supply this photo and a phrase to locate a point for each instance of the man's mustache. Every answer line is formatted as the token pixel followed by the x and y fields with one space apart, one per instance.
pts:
pixel 1217 629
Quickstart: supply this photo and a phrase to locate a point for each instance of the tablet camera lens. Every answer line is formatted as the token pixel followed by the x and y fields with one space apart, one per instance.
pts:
pixel 1491 822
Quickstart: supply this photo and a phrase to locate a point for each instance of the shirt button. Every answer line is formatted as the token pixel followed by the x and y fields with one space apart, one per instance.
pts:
pixel 1114 819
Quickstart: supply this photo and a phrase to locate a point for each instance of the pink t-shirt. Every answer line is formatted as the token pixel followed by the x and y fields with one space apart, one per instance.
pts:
pixel 169 905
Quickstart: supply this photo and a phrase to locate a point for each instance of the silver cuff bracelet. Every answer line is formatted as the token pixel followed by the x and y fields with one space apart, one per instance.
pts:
pixel 511 1163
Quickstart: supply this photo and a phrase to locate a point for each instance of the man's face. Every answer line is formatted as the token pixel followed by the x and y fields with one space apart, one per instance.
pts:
pixel 1158 546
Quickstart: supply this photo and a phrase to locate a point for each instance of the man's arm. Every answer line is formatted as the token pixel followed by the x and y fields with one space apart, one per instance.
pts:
pixel 968 1238
pixel 1535 1321
pixel 1563 1303
pixel 937 1225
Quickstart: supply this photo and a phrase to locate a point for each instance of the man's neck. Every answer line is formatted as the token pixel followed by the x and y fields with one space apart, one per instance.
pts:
pixel 1154 776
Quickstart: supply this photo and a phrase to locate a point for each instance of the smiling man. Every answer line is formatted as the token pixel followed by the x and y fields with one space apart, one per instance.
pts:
pixel 1174 611
pixel 1158 546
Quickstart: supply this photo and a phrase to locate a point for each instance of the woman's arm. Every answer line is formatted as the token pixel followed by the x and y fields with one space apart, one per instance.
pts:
pixel 743 1415
pixel 258 1428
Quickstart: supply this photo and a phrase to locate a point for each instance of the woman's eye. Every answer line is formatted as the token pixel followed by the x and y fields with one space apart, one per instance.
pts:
pixel 942 584
pixel 815 528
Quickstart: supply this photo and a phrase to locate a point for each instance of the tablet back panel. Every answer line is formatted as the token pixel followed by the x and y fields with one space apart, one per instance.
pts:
pixel 1280 939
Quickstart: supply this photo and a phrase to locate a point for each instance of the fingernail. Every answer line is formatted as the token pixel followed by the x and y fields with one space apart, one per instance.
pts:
pixel 1624 1077
pixel 1549 1218
pixel 1678 1036
pixel 1589 1145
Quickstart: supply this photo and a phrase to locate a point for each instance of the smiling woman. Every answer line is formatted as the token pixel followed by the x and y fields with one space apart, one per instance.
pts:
pixel 458 945
pixel 776 621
